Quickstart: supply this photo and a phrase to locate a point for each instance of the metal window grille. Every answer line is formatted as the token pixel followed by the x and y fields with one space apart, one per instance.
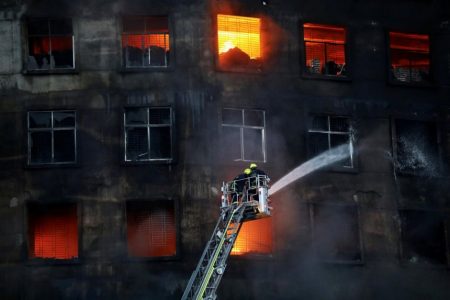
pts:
pixel 151 230
pixel 53 231
pixel 148 134
pixel 50 44
pixel 410 57
pixel 244 131
pixel 145 42
pixel 325 49
pixel 327 132
pixel 336 232
pixel 239 41
pixel 52 137
pixel 255 237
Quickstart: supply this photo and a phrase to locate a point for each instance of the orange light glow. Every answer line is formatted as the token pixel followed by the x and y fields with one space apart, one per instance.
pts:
pixel 54 233
pixel 254 237
pixel 151 231
pixel 240 32
pixel 144 41
pixel 411 42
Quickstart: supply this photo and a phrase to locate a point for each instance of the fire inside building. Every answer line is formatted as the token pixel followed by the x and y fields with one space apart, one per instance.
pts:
pixel 121 120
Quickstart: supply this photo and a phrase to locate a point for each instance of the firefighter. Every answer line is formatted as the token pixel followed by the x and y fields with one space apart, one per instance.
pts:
pixel 240 183
pixel 254 179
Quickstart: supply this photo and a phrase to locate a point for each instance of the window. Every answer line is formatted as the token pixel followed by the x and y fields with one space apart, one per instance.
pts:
pixel 51 137
pixel 335 232
pixel 243 131
pixel 145 42
pixel 50 44
pixel 325 49
pixel 239 41
pixel 151 229
pixel 423 237
pixel 255 237
pixel 416 147
pixel 148 133
pixel 328 132
pixel 410 57
pixel 53 231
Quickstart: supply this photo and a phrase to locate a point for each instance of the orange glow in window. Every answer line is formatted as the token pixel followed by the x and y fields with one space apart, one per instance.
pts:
pixel 239 32
pixel 151 231
pixel 254 237
pixel 54 232
pixel 144 41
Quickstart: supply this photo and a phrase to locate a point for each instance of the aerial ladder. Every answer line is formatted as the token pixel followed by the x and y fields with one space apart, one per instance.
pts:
pixel 242 200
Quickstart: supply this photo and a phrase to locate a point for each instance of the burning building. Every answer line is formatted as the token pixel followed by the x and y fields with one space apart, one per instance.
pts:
pixel 119 120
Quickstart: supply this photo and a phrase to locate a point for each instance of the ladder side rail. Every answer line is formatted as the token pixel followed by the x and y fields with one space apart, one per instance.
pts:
pixel 212 263
pixel 196 274
pixel 222 261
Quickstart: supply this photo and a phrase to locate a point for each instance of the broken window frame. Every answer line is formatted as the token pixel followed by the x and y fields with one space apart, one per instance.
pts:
pixel 52 130
pixel 311 209
pixel 242 127
pixel 258 68
pixel 394 137
pixel 149 126
pixel 404 250
pixel 347 64
pixel 168 57
pixel 27 69
pixel 391 78
pixel 34 208
pixel 149 206
pixel 329 133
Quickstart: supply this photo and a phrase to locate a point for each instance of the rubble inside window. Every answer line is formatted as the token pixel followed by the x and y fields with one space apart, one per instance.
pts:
pixel 239 42
pixel 53 231
pixel 151 229
pixel 255 237
pixel 50 44
pixel 244 131
pixel 410 57
pixel 145 42
pixel 148 133
pixel 416 147
pixel 325 49
pixel 51 137
pixel 335 232
pixel 424 237
pixel 327 132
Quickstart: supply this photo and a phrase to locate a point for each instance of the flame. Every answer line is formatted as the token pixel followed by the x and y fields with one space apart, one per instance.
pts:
pixel 241 32
pixel 227 46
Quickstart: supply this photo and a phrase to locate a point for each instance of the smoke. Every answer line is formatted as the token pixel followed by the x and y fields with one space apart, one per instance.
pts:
pixel 324 159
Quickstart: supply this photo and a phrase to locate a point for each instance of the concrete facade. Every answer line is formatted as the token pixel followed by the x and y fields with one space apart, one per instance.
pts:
pixel 101 183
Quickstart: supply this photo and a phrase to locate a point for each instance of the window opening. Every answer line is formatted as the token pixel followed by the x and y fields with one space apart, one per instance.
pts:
pixel 244 131
pixel 151 229
pixel 423 237
pixel 53 231
pixel 255 237
pixel 410 57
pixel 239 41
pixel 327 132
pixel 51 137
pixel 325 49
pixel 335 232
pixel 50 44
pixel 148 133
pixel 416 147
pixel 145 41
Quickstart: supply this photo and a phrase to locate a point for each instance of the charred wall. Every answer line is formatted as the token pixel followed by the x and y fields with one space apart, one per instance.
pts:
pixel 381 197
